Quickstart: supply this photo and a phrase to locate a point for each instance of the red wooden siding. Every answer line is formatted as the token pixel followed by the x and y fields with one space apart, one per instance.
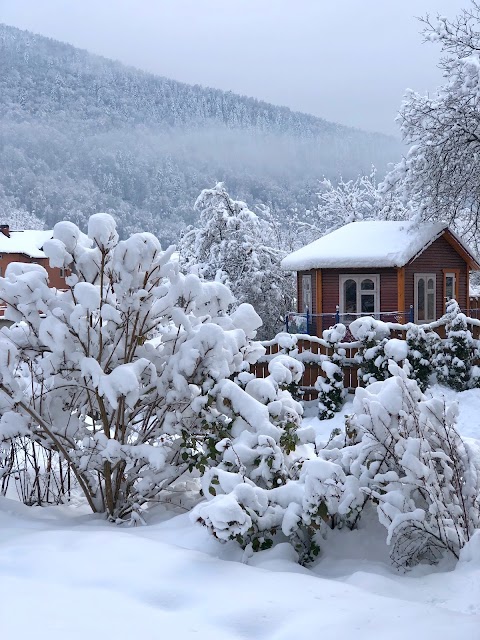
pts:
pixel 437 258
pixel 54 277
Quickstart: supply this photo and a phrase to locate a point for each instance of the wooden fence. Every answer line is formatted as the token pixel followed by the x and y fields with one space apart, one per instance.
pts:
pixel 311 350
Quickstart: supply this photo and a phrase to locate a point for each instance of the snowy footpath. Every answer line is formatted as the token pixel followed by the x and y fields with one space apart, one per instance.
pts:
pixel 67 574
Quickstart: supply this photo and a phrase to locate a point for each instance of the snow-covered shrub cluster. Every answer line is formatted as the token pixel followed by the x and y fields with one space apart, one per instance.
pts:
pixel 412 464
pixel 128 373
pixel 254 458
pixel 426 353
pixel 400 455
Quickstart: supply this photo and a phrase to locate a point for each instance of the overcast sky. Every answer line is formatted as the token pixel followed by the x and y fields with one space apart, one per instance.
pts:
pixel 344 60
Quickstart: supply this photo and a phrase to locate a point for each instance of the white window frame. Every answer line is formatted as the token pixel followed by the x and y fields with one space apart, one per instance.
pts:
pixel 375 277
pixel 453 275
pixel 426 277
pixel 307 277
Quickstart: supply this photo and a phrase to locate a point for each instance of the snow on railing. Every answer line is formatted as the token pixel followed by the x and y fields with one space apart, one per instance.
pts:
pixel 312 350
pixel 309 321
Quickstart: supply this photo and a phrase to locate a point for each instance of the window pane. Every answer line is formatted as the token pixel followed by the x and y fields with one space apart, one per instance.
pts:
pixel 367 284
pixel 431 306
pixel 350 296
pixel 449 287
pixel 368 303
pixel 431 284
pixel 421 299
pixel 307 293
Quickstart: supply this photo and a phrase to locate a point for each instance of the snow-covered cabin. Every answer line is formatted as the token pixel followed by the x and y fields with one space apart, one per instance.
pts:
pixel 397 271
pixel 26 246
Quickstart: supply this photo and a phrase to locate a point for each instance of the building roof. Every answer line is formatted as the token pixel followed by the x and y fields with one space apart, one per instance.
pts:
pixel 374 243
pixel 29 243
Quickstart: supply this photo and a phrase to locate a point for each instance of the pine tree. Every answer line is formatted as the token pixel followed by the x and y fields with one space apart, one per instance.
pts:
pixel 453 361
pixel 231 244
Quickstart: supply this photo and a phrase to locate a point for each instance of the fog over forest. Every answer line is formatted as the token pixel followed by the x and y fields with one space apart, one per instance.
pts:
pixel 81 133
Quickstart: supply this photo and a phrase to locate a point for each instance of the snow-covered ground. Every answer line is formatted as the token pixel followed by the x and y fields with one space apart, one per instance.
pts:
pixel 67 574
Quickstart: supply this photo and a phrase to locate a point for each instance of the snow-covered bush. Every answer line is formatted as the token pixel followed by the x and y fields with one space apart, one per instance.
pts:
pixel 127 374
pixel 231 244
pixel 331 388
pixel 411 462
pixel 373 336
pixel 453 361
pixel 400 453
pixel 253 458
pixel 422 347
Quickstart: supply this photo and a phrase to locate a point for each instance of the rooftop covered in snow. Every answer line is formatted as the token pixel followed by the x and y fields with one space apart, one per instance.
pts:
pixel 28 242
pixel 375 243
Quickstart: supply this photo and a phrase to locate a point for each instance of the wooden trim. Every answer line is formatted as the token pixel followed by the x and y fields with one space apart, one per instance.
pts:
pixel 457 282
pixel 468 290
pixel 461 250
pixel 401 293
pixel 298 291
pixel 319 292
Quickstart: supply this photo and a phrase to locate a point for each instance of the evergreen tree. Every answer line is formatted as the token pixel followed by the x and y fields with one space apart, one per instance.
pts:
pixel 453 361
pixel 231 244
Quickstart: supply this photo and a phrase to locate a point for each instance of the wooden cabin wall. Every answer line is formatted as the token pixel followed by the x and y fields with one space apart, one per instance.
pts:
pixel 437 258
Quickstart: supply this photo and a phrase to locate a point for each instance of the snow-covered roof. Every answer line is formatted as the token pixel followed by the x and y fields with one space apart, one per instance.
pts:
pixel 375 243
pixel 29 242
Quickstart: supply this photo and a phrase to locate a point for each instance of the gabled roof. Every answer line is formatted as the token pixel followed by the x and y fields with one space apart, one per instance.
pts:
pixel 29 243
pixel 373 243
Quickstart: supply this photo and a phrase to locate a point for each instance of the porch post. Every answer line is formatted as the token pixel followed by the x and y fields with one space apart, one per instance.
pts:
pixel 319 301
pixel 401 294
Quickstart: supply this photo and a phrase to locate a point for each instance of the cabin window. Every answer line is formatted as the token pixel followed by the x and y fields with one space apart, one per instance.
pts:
pixel 306 294
pixel 359 295
pixel 425 297
pixel 63 273
pixel 450 285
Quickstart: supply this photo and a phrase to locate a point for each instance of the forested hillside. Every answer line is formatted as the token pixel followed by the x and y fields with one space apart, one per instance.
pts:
pixel 80 133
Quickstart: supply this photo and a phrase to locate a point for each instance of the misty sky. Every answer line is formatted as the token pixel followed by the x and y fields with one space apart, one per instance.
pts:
pixel 345 60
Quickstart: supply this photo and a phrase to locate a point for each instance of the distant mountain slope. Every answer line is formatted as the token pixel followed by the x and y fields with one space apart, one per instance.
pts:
pixel 80 133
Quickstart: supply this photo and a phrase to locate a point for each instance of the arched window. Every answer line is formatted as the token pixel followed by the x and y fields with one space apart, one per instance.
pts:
pixel 350 296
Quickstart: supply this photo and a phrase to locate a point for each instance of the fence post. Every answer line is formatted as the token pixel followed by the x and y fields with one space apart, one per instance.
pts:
pixel 412 317
pixel 308 329
pixel 337 314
